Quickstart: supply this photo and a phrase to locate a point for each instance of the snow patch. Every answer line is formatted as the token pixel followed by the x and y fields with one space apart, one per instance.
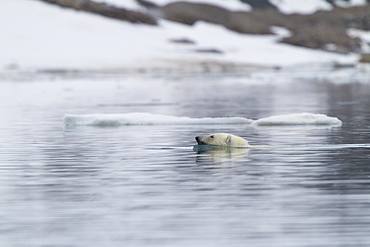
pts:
pixel 129 4
pixel 235 5
pixel 301 7
pixel 351 3
pixel 364 36
pixel 38 36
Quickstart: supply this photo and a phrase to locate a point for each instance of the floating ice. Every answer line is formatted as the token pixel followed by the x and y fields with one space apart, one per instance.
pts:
pixel 298 119
pixel 146 119
pixel 106 120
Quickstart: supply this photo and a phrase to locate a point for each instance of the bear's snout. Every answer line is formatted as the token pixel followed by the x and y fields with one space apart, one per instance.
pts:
pixel 199 140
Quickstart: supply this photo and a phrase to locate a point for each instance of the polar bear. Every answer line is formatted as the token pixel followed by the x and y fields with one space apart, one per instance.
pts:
pixel 222 139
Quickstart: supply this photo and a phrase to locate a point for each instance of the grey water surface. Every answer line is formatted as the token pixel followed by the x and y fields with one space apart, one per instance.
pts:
pixel 146 186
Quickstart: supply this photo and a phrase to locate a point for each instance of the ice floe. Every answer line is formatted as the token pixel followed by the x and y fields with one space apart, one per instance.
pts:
pixel 146 119
pixel 298 119
pixel 107 120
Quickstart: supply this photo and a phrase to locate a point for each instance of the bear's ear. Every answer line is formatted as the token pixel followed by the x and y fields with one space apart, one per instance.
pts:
pixel 228 140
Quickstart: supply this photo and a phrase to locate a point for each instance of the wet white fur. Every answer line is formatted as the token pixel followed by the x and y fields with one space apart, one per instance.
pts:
pixel 222 139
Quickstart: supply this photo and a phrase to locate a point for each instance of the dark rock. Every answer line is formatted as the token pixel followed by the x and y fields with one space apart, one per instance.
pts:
pixel 189 13
pixel 365 58
pixel 259 4
pixel 147 4
pixel 214 51
pixel 326 30
pixel 244 22
pixel 184 41
pixel 106 10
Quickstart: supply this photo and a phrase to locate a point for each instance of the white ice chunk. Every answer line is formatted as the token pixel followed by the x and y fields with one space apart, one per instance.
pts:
pixel 298 119
pixel 146 119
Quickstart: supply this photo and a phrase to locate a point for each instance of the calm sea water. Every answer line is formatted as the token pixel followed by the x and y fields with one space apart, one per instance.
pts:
pixel 145 186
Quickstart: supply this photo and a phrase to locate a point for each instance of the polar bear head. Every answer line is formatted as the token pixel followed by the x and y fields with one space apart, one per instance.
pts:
pixel 222 139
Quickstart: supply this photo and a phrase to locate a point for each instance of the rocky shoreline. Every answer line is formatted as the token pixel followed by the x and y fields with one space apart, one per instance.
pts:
pixel 324 30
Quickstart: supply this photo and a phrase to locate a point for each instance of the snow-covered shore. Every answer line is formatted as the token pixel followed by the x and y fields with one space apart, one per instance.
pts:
pixel 37 36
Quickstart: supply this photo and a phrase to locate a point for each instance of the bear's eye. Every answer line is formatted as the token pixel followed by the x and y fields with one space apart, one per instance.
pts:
pixel 212 136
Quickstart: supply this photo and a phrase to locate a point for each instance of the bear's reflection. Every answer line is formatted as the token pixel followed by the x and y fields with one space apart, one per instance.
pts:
pixel 218 155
